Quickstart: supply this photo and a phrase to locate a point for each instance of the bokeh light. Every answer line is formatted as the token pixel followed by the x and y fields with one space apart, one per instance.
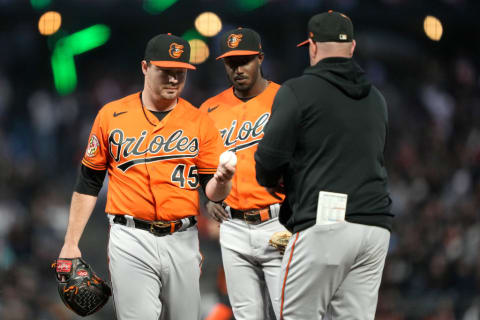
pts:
pixel 49 23
pixel 433 28
pixel 199 51
pixel 249 5
pixel 191 34
pixel 157 6
pixel 208 24
pixel 63 63
pixel 40 4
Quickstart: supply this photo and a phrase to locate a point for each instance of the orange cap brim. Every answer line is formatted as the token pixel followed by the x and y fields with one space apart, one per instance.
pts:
pixel 173 64
pixel 238 53
pixel 301 44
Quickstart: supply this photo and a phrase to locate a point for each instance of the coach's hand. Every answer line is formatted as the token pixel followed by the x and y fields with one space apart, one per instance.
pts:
pixel 216 211
pixel 277 190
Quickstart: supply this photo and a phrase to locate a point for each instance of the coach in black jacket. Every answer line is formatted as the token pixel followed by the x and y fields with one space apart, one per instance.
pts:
pixel 324 146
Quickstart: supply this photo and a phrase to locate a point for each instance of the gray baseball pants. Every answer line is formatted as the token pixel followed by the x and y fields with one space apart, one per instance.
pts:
pixel 154 277
pixel 252 268
pixel 333 271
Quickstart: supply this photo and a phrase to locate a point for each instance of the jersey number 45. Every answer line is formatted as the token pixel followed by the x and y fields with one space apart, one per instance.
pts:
pixel 179 177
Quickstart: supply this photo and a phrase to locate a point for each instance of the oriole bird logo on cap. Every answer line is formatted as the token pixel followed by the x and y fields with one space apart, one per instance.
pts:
pixel 233 40
pixel 175 50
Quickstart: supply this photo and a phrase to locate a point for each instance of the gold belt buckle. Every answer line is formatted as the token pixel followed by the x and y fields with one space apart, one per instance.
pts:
pixel 155 225
pixel 250 213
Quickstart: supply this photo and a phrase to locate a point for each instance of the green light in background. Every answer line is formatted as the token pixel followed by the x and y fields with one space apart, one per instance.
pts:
pixel 63 67
pixel 192 34
pixel 52 40
pixel 40 4
pixel 87 39
pixel 63 64
pixel 157 6
pixel 248 5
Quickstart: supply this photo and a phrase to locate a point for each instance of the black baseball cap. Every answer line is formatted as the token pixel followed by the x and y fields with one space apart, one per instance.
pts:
pixel 329 26
pixel 240 42
pixel 168 51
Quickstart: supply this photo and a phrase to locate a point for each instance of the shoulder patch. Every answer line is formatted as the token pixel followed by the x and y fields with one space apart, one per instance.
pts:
pixel 92 148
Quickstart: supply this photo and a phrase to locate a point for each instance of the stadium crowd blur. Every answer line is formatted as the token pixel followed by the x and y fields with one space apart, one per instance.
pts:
pixel 433 151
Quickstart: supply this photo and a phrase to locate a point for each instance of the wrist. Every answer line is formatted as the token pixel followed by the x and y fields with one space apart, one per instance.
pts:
pixel 70 243
pixel 221 181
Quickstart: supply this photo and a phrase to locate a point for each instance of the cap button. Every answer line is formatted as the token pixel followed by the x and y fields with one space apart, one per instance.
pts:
pixel 330 11
pixel 169 33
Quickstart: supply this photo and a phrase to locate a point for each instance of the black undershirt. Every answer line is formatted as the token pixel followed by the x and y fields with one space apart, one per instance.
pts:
pixel 242 99
pixel 90 181
pixel 160 114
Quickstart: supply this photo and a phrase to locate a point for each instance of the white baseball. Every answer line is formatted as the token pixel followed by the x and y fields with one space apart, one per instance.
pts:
pixel 228 157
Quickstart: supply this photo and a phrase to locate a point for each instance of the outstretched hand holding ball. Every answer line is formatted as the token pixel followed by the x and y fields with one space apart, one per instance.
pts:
pixel 226 166
pixel 228 157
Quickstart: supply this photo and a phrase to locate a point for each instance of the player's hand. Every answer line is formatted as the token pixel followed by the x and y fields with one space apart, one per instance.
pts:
pixel 216 211
pixel 224 173
pixel 70 251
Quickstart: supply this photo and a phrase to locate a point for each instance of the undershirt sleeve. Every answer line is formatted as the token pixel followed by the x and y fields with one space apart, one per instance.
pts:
pixel 89 181
pixel 204 178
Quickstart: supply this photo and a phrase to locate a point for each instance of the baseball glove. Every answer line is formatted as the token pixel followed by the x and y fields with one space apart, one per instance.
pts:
pixel 80 288
pixel 279 240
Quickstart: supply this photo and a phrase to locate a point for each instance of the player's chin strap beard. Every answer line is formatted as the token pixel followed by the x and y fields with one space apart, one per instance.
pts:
pixel 143 109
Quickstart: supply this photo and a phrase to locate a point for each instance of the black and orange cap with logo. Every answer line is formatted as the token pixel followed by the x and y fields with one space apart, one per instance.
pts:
pixel 168 51
pixel 240 42
pixel 330 26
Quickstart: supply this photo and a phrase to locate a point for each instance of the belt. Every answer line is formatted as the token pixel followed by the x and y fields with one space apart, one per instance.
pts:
pixel 253 216
pixel 157 228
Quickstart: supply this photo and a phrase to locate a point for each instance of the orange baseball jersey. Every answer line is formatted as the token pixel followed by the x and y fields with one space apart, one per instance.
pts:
pixel 153 165
pixel 241 126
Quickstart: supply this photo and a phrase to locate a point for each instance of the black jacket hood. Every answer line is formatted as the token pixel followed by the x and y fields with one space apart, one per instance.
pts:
pixel 343 73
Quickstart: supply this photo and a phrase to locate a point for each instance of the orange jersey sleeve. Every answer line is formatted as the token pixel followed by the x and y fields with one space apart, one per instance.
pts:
pixel 95 156
pixel 210 148
pixel 153 165
pixel 241 127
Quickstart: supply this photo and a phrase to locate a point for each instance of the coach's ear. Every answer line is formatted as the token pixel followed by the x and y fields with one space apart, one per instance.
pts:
pixel 354 44
pixel 144 66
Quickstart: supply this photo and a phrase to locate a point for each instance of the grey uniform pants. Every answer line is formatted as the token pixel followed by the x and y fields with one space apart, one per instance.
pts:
pixel 252 268
pixel 154 277
pixel 333 271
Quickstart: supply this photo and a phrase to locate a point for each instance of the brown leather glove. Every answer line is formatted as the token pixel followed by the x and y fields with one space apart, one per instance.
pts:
pixel 279 240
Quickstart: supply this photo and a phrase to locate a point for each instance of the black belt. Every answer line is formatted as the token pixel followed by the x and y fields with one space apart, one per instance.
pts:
pixel 253 216
pixel 158 228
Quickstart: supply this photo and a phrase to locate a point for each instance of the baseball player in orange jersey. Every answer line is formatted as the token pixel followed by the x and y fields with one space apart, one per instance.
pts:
pixel 249 216
pixel 157 149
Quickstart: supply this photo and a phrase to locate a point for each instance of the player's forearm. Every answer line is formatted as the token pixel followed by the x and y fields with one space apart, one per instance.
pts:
pixel 80 210
pixel 217 190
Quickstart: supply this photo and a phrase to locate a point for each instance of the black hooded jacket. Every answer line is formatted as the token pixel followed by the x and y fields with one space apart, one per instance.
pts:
pixel 327 132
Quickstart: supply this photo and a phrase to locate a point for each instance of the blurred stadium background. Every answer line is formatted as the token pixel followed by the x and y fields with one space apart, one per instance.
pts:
pixel 60 61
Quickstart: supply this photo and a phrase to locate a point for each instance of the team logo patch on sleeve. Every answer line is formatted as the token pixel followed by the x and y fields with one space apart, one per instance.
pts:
pixel 175 50
pixel 92 148
pixel 233 40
